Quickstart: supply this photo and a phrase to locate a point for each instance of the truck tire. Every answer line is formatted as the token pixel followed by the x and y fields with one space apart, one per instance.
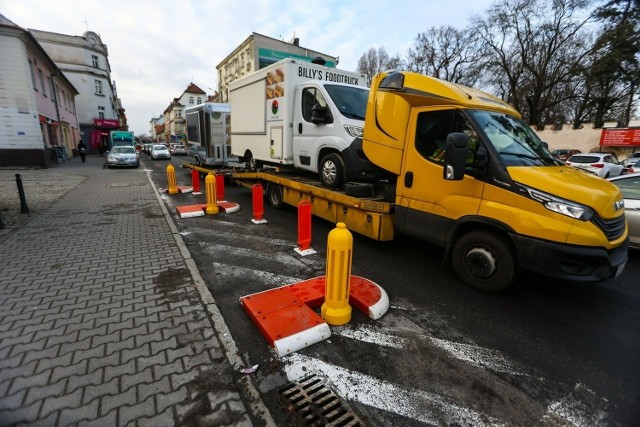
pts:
pixel 358 189
pixel 331 171
pixel 274 195
pixel 485 261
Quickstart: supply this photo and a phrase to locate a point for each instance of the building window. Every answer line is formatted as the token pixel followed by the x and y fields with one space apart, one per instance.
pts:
pixel 58 94
pixel 191 100
pixel 94 61
pixel 101 112
pixel 98 87
pixel 51 88
pixel 199 100
pixel 33 76
pixel 42 85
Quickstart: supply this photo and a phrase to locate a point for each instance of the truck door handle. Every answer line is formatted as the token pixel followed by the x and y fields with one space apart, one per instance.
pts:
pixel 408 179
pixel 299 127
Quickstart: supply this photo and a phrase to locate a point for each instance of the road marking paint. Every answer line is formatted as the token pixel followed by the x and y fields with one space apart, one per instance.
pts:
pixel 415 404
pixel 581 407
pixel 371 335
pixel 270 280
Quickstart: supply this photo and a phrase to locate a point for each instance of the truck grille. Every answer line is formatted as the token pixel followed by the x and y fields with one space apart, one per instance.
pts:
pixel 612 228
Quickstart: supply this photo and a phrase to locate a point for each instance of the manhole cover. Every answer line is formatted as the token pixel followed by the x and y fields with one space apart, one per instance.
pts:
pixel 311 403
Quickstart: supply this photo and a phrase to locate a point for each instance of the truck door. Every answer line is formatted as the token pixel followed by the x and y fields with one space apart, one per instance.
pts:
pixel 428 203
pixel 306 133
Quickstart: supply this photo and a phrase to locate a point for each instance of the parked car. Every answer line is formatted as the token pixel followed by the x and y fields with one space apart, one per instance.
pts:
pixel 123 156
pixel 632 159
pixel 198 153
pixel 563 153
pixel 178 150
pixel 630 187
pixel 160 151
pixel 604 165
pixel 632 167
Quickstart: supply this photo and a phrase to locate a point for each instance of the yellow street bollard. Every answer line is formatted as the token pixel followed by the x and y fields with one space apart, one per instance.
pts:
pixel 336 309
pixel 171 178
pixel 212 203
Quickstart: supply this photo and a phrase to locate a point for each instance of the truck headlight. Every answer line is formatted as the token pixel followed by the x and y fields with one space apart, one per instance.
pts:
pixel 354 131
pixel 559 205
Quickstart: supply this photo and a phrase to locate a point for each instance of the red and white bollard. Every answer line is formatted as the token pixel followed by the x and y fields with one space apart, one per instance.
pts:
pixel 304 229
pixel 258 205
pixel 195 181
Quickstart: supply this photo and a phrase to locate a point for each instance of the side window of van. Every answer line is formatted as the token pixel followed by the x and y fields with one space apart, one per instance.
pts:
pixel 432 128
pixel 310 97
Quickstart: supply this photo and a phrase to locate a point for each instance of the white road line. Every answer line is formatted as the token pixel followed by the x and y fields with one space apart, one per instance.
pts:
pixel 371 335
pixel 415 404
pixel 270 280
pixel 288 259
pixel 581 407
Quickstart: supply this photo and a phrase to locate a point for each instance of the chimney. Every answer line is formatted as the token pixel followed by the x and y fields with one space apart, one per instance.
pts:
pixel 296 41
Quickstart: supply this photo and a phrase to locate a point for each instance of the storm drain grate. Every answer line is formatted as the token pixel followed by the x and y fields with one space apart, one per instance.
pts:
pixel 311 403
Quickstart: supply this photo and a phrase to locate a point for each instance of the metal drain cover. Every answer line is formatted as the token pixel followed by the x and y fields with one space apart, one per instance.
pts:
pixel 311 403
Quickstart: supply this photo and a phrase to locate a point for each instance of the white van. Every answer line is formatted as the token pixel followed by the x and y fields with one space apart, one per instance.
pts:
pixel 305 115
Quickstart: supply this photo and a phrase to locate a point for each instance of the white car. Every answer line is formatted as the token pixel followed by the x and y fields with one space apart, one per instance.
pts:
pixel 604 165
pixel 632 159
pixel 630 187
pixel 159 151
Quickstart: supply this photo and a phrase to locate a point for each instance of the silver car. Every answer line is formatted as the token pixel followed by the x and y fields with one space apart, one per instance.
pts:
pixel 630 186
pixel 160 151
pixel 122 156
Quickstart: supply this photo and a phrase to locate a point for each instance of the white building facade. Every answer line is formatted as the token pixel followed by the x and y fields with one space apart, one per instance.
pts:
pixel 38 120
pixel 85 62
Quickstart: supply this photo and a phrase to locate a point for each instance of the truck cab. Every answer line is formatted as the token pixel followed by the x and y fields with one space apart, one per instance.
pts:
pixel 472 177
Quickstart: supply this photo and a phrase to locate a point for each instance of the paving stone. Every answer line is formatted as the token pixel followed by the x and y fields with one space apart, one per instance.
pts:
pixel 85 412
pixel 117 401
pixel 170 399
pixel 168 369
pixel 165 419
pixel 67 371
pixel 21 414
pixel 93 392
pixel 21 383
pixel 108 420
pixel 134 412
pixel 57 403
pixel 128 368
pixel 40 393
pixel 153 360
pixel 148 389
pixel 143 377
pixel 76 381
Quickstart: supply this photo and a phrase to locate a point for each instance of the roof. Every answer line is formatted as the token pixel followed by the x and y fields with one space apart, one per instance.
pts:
pixel 193 88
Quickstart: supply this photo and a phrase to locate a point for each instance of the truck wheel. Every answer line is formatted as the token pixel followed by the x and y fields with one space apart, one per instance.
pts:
pixel 485 261
pixel 331 171
pixel 274 195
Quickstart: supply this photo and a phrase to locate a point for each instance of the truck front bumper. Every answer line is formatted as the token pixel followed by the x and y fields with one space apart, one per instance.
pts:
pixel 577 263
pixel 358 167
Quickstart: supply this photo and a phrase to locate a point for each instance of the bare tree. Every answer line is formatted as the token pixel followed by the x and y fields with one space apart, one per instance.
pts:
pixel 375 60
pixel 532 48
pixel 445 53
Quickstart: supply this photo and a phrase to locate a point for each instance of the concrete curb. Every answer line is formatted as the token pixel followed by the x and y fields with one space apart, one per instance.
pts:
pixel 252 397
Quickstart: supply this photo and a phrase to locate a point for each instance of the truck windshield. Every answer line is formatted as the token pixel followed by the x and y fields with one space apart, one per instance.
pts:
pixel 515 142
pixel 351 101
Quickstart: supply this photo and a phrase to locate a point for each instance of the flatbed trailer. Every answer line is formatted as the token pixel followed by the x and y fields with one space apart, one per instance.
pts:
pixel 370 216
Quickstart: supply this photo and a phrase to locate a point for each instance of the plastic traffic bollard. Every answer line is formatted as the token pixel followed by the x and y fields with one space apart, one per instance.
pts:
pixel 212 203
pixel 171 179
pixel 220 186
pixel 336 309
pixel 304 225
pixel 195 181
pixel 258 206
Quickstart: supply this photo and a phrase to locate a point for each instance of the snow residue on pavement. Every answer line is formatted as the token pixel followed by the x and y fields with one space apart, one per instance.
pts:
pixel 371 335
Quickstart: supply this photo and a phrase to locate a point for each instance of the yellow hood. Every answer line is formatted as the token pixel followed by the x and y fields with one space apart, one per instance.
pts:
pixel 571 184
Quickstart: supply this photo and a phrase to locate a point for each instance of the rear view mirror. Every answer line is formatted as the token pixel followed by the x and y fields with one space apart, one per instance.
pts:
pixel 320 115
pixel 455 156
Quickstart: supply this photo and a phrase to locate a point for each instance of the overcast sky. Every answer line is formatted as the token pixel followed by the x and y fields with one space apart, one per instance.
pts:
pixel 156 48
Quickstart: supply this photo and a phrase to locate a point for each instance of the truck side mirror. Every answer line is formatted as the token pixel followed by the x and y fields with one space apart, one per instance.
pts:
pixel 455 156
pixel 320 115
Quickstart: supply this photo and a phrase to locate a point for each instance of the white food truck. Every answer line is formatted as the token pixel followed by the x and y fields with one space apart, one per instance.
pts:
pixel 305 115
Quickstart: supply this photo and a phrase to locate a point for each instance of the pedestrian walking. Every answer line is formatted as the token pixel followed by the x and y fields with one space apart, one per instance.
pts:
pixel 101 148
pixel 83 150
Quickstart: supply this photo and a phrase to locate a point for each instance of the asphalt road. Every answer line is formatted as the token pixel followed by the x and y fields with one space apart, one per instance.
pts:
pixel 545 352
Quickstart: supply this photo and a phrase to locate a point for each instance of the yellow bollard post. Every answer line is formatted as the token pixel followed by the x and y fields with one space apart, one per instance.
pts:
pixel 212 203
pixel 336 309
pixel 171 178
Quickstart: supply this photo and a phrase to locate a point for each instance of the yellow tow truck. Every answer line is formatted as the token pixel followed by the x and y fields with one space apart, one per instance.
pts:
pixel 463 171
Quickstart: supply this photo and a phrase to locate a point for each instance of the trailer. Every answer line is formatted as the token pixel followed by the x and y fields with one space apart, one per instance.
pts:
pixel 370 215
pixel 208 126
